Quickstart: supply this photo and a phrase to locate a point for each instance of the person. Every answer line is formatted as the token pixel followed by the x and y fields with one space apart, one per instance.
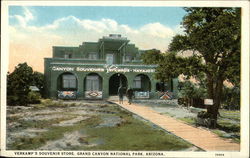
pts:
pixel 129 94
pixel 120 95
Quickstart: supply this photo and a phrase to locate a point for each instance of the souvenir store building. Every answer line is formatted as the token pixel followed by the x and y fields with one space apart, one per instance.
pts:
pixel 95 70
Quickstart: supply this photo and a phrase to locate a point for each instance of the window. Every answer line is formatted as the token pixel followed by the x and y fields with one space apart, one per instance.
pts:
pixel 69 81
pixel 66 56
pixel 128 58
pixel 110 59
pixel 92 56
pixel 137 82
pixel 92 83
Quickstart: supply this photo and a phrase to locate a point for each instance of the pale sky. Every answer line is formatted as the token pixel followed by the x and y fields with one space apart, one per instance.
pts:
pixel 35 29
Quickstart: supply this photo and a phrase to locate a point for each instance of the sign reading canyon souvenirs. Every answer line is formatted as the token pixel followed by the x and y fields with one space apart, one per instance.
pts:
pixel 107 69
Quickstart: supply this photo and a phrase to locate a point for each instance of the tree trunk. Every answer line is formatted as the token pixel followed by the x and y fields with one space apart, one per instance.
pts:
pixel 210 89
pixel 214 88
pixel 217 99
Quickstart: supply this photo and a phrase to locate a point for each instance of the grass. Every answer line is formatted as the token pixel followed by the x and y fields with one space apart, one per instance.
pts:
pixel 234 115
pixel 42 123
pixel 188 120
pixel 169 114
pixel 13 118
pixel 225 124
pixel 133 138
pixel 134 134
pixel 235 139
pixel 53 133
pixel 130 134
pixel 53 103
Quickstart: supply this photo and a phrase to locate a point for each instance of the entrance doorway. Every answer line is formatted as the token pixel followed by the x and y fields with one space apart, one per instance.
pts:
pixel 115 81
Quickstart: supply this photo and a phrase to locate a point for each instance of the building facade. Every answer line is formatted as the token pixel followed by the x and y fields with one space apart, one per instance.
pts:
pixel 95 70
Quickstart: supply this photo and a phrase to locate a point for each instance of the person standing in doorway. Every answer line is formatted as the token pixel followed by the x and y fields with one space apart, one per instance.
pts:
pixel 130 95
pixel 120 94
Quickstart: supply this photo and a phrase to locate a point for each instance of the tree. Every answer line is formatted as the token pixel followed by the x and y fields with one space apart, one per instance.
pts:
pixel 38 81
pixel 191 90
pixel 231 97
pixel 191 94
pixel 171 66
pixel 152 56
pixel 166 62
pixel 213 34
pixel 19 82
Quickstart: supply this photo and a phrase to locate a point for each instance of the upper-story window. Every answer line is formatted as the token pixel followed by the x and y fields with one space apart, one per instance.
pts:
pixel 110 59
pixel 128 58
pixel 92 56
pixel 66 56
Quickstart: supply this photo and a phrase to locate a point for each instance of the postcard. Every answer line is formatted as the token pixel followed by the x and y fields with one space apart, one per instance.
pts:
pixel 125 79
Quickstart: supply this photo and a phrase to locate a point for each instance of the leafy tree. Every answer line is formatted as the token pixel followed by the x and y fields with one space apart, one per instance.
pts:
pixel 167 62
pixel 191 90
pixel 213 35
pixel 191 94
pixel 38 81
pixel 171 66
pixel 152 56
pixel 19 82
pixel 231 97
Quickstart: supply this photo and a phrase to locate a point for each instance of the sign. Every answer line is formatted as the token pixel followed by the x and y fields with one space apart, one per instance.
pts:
pixel 67 94
pixel 107 69
pixel 84 69
pixel 141 95
pixel 93 94
pixel 165 95
pixel 208 102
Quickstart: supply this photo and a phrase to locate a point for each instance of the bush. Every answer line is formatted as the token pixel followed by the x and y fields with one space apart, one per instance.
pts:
pixel 203 114
pixel 17 100
pixel 12 100
pixel 34 97
pixel 18 85
pixel 203 119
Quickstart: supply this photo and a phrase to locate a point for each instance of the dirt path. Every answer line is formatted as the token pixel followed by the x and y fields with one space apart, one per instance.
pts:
pixel 202 138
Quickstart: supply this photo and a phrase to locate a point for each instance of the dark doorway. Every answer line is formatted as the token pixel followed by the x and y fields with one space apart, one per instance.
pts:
pixel 115 81
pixel 160 86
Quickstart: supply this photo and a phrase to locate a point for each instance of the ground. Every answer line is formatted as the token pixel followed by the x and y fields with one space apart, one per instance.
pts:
pixel 85 125
pixel 228 120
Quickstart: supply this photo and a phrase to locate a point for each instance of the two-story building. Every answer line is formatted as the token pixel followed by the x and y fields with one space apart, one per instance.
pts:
pixel 95 70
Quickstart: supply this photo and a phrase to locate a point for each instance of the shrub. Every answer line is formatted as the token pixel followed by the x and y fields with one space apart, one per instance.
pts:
pixel 34 97
pixel 18 85
pixel 12 100
pixel 203 114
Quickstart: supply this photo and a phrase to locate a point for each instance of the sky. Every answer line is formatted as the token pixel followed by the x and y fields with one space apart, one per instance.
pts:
pixel 33 30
